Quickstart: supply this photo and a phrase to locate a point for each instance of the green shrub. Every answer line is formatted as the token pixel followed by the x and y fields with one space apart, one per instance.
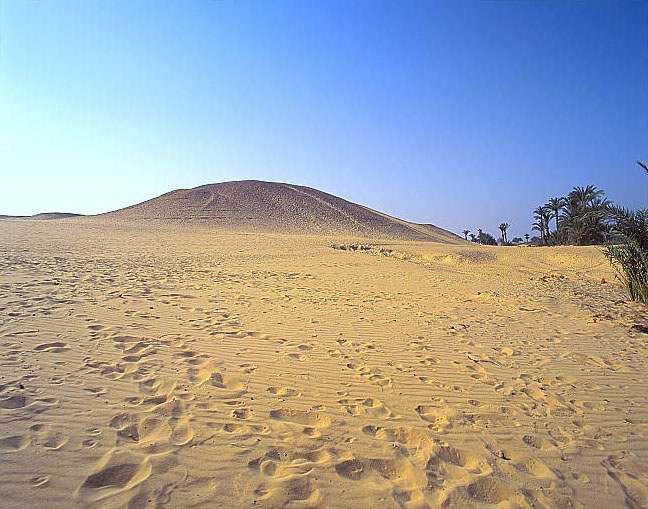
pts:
pixel 631 264
pixel 629 252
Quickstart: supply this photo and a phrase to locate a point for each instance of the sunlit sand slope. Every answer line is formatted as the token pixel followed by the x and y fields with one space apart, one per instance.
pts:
pixel 273 207
pixel 151 368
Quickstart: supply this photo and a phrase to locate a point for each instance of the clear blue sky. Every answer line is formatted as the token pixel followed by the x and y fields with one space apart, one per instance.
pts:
pixel 459 113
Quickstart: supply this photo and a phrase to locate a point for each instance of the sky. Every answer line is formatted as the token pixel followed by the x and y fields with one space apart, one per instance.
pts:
pixel 464 114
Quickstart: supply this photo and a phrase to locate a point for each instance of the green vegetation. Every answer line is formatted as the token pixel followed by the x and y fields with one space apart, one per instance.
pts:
pixel 630 255
pixel 581 218
pixel 503 227
pixel 628 250
pixel 481 237
pixel 586 217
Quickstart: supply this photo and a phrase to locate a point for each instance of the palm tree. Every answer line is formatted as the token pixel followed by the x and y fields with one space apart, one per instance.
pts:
pixel 585 226
pixel 556 205
pixel 542 217
pixel 584 196
pixel 526 237
pixel 539 226
pixel 629 255
pixel 465 233
pixel 503 227
pixel 547 212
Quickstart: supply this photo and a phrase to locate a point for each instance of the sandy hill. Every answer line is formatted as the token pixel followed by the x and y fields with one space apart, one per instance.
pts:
pixel 43 215
pixel 252 205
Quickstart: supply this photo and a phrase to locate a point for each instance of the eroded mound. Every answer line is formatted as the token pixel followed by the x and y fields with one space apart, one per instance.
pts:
pixel 256 206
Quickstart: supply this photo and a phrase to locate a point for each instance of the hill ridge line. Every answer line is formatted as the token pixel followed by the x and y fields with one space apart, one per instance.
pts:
pixel 276 207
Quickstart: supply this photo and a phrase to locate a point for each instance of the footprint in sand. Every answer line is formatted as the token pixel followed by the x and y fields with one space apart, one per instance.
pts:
pixel 440 418
pixel 628 475
pixel 13 402
pixel 182 433
pixel 353 469
pixel 536 468
pixel 306 418
pixel 97 327
pixel 242 413
pixel 350 406
pixel 138 348
pixel 234 388
pixel 395 471
pixel 39 481
pixel 417 444
pixel 97 391
pixel 281 462
pixel 149 403
pixel 46 436
pixel 54 441
pixel 377 407
pixel 298 491
pixel 366 372
pixel 14 443
pixel 247 368
pixel 471 461
pixel 116 472
pixel 372 406
pixel 149 429
pixel 490 490
pixel 284 392
pixel 200 373
pixel 538 442
pixel 55 347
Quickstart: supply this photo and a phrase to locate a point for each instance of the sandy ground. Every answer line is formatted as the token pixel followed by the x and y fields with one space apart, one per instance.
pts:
pixel 165 368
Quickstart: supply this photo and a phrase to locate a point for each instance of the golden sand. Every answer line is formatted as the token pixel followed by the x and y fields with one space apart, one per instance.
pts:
pixel 160 367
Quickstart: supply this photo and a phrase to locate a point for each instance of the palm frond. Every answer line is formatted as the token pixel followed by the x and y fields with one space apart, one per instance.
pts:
pixel 643 166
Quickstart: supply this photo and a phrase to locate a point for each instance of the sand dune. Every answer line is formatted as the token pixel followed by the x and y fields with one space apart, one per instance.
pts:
pixel 271 207
pixel 43 215
pixel 154 367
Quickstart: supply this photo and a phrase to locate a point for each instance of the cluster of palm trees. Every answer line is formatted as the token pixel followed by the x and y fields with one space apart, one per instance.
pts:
pixel 486 238
pixel 580 218
pixel 583 217
pixel 482 237
pixel 586 217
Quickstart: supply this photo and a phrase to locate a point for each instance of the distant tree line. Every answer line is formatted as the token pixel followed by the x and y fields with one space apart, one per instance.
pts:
pixel 487 239
pixel 481 238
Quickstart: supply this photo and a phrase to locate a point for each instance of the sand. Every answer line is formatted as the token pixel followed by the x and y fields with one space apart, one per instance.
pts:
pixel 169 367
pixel 271 207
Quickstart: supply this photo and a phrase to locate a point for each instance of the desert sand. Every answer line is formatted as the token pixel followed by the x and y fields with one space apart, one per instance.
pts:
pixel 176 366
